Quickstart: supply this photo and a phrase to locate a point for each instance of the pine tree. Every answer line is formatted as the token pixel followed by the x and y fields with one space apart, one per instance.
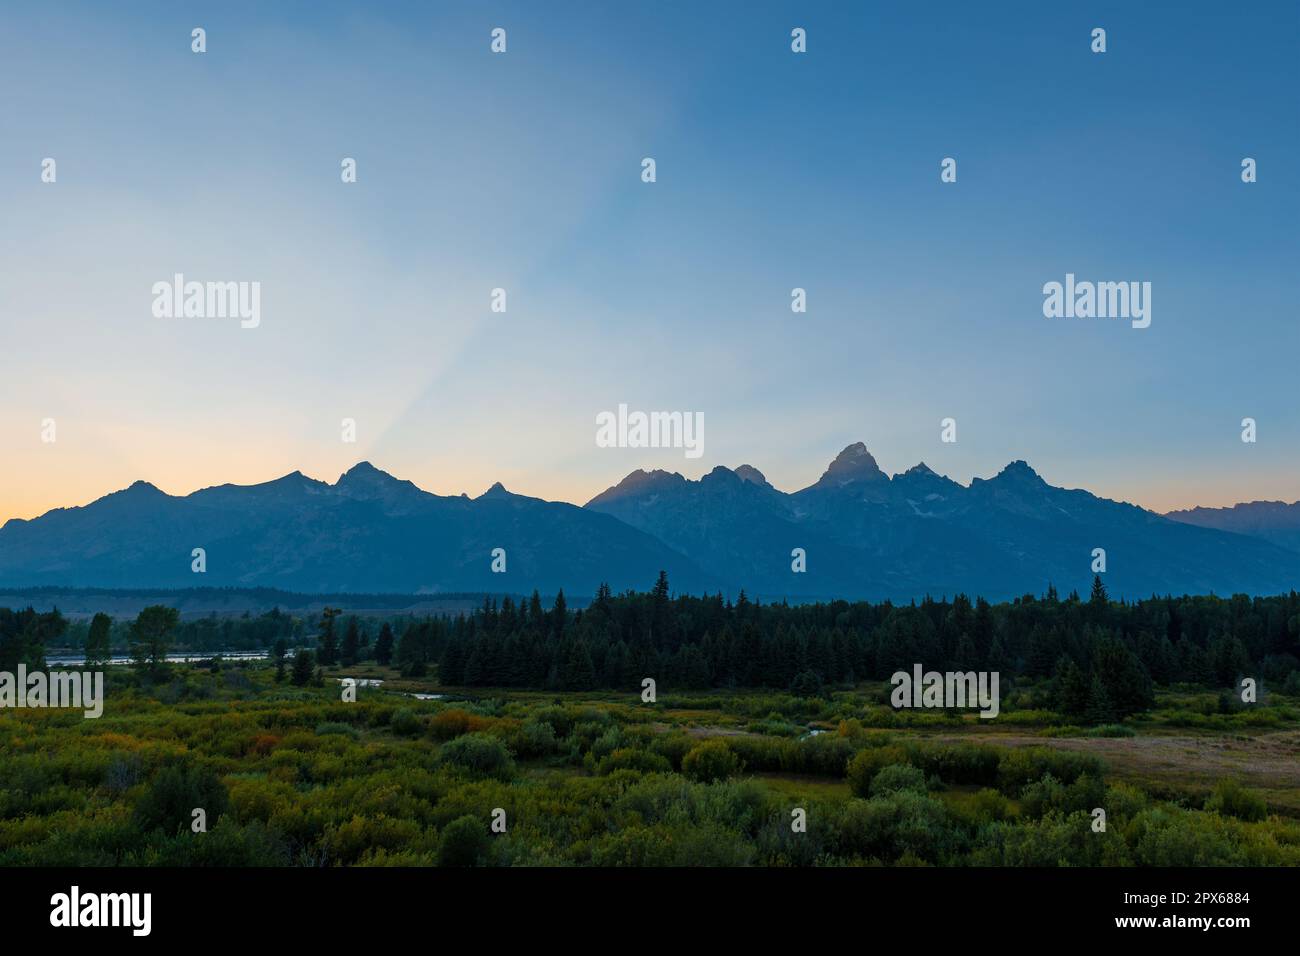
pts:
pixel 1229 659
pixel 351 643
pixel 1173 626
pixel 475 667
pixel 1071 688
pixel 616 666
pixel 997 659
pixel 965 657
pixel 151 635
pixel 302 668
pixel 327 642
pixel 451 669
pixel 413 650
pixel 983 631
pixel 1099 709
pixel 579 673
pixel 806 684
pixel 1127 684
pixel 1044 651
pixel 278 650
pixel 384 645
pixel 1098 597
pixel 559 613
pixel 97 639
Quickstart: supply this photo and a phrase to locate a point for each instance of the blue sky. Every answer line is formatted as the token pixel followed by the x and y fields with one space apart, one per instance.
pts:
pixel 522 171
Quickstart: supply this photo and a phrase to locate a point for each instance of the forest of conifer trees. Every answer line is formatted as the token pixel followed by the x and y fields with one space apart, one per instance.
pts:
pixel 1102 656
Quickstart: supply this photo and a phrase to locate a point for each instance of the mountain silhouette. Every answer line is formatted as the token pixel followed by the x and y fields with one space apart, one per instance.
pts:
pixel 1274 521
pixel 368 531
pixel 863 534
pixel 866 534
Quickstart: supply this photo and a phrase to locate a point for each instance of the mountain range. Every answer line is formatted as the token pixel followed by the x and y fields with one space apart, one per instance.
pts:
pixel 1274 521
pixel 863 534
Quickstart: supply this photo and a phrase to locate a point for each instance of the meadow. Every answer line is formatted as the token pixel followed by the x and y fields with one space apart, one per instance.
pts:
pixel 294 776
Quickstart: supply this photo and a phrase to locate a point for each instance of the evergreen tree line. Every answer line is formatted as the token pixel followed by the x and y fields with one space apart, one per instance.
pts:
pixel 24 635
pixel 246 632
pixel 1103 656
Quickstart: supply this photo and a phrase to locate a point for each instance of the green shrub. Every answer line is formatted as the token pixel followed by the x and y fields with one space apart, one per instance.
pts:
pixel 774 725
pixel 559 719
pixel 864 766
pixel 890 826
pixel 1019 768
pixel 1049 795
pixel 536 738
pixel 173 796
pixel 899 776
pixel 629 758
pixel 674 746
pixel 989 806
pixel 1168 836
pixel 405 723
pixel 479 753
pixel 1231 799
pixel 334 728
pixel 711 761
pixel 464 842
pixel 960 764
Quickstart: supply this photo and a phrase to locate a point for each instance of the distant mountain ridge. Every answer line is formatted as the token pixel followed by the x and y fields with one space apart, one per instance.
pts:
pixel 1274 521
pixel 863 534
pixel 367 532
pixel 867 534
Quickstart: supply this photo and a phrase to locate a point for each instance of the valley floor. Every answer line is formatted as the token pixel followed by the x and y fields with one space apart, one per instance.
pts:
pixel 296 776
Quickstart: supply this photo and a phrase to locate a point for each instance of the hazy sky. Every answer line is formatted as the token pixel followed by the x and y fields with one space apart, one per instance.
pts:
pixel 523 171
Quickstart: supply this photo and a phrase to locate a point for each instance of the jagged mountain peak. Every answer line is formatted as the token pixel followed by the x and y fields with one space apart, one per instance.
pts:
pixel 851 465
pixel 141 487
pixel 363 471
pixel 363 481
pixel 137 494
pixel 291 487
pixel 640 477
pixel 639 482
pixel 292 478
pixel 921 469
pixel 742 478
pixel 1019 470
pixel 497 490
pixel 362 466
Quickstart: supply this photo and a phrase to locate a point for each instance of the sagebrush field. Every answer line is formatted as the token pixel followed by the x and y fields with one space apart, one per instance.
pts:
pixel 293 776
